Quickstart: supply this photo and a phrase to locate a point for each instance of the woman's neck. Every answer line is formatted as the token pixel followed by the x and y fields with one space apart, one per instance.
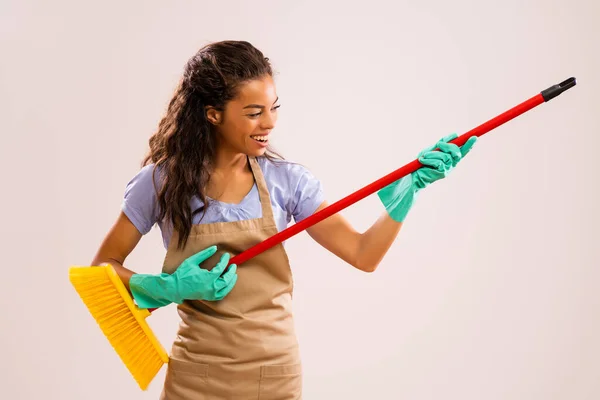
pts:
pixel 231 177
pixel 228 161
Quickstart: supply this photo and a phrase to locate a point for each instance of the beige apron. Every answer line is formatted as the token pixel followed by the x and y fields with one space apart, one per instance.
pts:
pixel 244 346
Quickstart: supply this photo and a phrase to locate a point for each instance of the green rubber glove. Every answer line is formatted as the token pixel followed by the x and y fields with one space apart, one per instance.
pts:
pixel 188 282
pixel 399 196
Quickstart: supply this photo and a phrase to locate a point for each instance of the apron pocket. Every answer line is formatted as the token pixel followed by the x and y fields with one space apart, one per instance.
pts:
pixel 188 367
pixel 280 382
pixel 185 380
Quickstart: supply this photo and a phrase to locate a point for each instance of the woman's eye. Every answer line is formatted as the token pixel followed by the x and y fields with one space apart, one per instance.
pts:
pixel 259 113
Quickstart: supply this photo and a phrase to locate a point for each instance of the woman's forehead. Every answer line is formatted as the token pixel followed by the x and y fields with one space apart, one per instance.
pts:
pixel 259 91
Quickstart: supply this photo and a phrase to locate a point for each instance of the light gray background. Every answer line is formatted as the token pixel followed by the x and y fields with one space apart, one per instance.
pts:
pixel 491 290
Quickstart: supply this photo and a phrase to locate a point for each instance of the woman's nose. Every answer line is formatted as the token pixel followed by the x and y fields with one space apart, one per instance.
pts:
pixel 268 121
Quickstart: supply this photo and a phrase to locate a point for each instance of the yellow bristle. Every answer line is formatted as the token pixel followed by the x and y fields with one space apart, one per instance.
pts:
pixel 121 321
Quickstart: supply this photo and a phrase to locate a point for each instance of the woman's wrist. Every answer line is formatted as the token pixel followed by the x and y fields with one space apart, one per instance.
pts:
pixel 399 197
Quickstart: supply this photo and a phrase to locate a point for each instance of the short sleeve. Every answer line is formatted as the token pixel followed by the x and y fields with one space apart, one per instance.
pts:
pixel 307 193
pixel 140 202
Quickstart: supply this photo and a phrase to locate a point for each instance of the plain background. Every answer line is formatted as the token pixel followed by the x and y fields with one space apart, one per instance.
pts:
pixel 490 291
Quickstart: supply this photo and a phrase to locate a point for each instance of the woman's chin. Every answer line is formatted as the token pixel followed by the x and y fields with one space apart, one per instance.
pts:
pixel 256 152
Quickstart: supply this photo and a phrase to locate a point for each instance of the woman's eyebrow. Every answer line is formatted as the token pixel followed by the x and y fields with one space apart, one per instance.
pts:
pixel 258 105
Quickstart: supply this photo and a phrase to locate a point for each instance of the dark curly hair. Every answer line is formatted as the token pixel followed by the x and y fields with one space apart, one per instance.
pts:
pixel 184 144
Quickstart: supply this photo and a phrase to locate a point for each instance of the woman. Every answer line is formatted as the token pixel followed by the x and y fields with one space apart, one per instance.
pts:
pixel 215 188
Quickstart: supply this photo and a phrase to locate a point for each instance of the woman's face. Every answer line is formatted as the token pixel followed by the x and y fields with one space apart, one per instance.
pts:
pixel 245 125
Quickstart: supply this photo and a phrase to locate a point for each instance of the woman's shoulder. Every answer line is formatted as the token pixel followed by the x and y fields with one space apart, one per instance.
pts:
pixel 148 175
pixel 142 188
pixel 139 200
pixel 293 186
pixel 282 170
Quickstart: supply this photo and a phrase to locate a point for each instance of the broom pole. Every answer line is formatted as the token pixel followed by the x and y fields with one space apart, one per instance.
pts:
pixel 542 97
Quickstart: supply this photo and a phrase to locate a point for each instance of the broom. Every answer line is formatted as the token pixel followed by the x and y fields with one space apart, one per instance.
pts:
pixel 124 324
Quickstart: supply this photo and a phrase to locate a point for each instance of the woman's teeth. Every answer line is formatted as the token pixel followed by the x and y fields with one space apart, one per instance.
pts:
pixel 260 138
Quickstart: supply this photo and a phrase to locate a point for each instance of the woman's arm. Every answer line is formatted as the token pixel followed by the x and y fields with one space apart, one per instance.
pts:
pixel 364 250
pixel 120 241
pixel 161 289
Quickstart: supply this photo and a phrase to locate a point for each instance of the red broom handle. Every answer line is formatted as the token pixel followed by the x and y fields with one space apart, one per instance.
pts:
pixel 371 188
pixel 544 96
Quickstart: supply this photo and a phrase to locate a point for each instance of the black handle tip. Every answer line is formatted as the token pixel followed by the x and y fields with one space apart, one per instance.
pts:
pixel 555 90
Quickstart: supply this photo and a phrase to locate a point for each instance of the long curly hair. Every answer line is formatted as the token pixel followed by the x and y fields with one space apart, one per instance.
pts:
pixel 184 145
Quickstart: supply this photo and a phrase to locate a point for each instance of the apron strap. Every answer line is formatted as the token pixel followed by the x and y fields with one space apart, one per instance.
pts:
pixel 263 192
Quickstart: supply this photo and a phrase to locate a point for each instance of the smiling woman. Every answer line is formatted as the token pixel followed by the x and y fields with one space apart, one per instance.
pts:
pixel 215 188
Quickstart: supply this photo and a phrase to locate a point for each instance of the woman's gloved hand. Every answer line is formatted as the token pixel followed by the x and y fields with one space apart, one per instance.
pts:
pixel 188 282
pixel 399 196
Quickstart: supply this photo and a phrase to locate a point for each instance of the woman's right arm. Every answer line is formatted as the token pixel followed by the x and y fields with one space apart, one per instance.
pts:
pixel 119 242
pixel 152 291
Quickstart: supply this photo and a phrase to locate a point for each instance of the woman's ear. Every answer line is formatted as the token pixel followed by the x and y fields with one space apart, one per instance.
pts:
pixel 213 115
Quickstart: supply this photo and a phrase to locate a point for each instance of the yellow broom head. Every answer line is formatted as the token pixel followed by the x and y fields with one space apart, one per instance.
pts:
pixel 121 321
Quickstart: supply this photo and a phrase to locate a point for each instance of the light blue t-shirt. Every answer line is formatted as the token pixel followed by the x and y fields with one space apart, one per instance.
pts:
pixel 294 191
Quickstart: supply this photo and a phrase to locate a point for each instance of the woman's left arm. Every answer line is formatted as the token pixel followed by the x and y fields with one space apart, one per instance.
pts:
pixel 361 250
pixel 366 250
